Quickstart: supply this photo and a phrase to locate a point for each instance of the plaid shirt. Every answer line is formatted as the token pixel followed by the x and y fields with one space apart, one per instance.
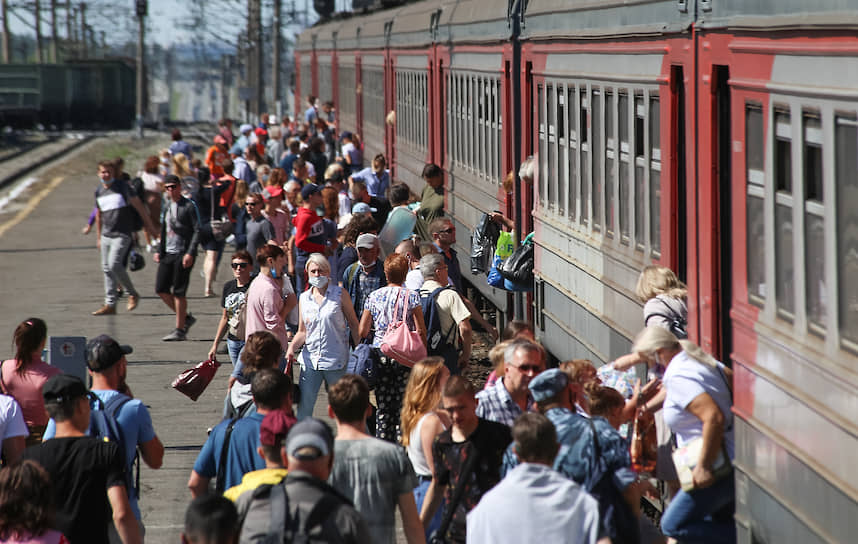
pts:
pixel 497 405
pixel 366 284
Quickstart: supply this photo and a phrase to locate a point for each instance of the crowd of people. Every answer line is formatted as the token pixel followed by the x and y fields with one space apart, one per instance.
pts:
pixel 332 263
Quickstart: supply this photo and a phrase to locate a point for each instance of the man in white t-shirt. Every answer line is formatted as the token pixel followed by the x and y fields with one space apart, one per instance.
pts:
pixel 534 503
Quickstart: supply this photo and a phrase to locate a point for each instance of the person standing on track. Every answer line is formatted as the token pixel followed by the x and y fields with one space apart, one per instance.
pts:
pixel 177 251
pixel 116 205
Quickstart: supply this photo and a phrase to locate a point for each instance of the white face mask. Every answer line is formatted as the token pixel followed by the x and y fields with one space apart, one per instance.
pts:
pixel 319 282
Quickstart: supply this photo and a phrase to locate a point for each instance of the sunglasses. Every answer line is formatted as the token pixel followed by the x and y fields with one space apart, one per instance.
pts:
pixel 528 368
pixel 240 265
pixel 251 203
pixel 169 187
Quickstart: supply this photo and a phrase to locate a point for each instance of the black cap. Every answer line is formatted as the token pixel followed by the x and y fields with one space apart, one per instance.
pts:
pixel 63 388
pixel 102 352
pixel 308 190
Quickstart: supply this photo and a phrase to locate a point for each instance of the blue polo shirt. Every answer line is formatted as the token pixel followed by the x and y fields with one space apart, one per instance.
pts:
pixel 241 457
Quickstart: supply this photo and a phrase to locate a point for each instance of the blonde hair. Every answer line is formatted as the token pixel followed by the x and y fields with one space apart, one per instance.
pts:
pixel 181 167
pixel 264 170
pixel 659 280
pixel 320 260
pixel 577 370
pixel 241 192
pixel 496 356
pixel 604 401
pixel 422 394
pixel 654 338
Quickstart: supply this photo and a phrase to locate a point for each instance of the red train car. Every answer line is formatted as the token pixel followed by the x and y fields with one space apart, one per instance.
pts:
pixel 717 138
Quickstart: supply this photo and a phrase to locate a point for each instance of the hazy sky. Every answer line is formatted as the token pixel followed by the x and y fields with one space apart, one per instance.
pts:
pixel 168 19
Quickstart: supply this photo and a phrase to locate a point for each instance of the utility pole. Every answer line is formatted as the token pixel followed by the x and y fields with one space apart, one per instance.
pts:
pixel 224 86
pixel 275 61
pixel 254 31
pixel 40 55
pixel 54 49
pixel 141 28
pixel 82 9
pixel 69 19
pixel 7 51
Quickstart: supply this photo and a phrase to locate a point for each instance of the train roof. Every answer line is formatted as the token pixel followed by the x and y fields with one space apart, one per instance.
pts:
pixel 420 24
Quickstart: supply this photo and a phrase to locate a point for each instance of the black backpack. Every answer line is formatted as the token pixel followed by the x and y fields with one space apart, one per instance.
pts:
pixel 104 425
pixel 440 343
pixel 678 325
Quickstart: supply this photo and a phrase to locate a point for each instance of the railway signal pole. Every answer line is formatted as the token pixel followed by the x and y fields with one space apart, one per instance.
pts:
pixel 141 28
pixel 4 12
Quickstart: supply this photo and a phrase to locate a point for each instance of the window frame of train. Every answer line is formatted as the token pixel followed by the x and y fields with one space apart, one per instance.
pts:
pixel 805 193
pixel 474 117
pixel 412 110
pixel 609 181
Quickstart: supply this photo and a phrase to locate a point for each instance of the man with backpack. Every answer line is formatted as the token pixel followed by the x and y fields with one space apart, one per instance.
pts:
pixel 118 417
pixel 447 318
pixel 119 214
pixel 87 474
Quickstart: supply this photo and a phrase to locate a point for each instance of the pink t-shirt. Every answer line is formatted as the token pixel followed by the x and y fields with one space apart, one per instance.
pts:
pixel 264 302
pixel 282 223
pixel 27 388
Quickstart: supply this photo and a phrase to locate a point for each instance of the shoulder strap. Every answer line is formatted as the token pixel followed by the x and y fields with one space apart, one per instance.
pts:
pixel 279 511
pixel 433 300
pixel 224 450
pixel 2 383
pixel 461 482
pixel 352 272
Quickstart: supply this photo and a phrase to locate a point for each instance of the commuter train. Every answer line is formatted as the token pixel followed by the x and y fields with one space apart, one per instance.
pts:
pixel 716 137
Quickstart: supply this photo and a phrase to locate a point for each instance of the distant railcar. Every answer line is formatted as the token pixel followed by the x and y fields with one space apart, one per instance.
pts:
pixel 85 94
pixel 717 138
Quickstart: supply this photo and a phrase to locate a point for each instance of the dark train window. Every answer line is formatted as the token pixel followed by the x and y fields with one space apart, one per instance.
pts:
pixel 655 177
pixel 640 118
pixel 598 157
pixel 756 232
pixel 562 149
pixel 846 165
pixel 624 167
pixel 585 155
pixel 784 254
pixel 640 173
pixel 814 224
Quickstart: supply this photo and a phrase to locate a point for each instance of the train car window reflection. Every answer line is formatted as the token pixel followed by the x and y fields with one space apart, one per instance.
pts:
pixel 562 150
pixel 814 224
pixel 784 263
pixel 573 151
pixel 596 126
pixel 551 147
pixel 543 170
pixel 846 166
pixel 755 243
pixel 655 177
pixel 584 108
pixel 610 161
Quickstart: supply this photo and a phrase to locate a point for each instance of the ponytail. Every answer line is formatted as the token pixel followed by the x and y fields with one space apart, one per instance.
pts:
pixel 28 336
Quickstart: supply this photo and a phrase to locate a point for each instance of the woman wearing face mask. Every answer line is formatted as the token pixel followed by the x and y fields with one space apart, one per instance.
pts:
pixel 322 338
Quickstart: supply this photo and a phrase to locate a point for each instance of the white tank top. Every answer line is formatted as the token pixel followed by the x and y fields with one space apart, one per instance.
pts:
pixel 415 448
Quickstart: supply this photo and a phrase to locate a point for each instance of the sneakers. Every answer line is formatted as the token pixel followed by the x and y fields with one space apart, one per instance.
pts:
pixel 105 310
pixel 189 322
pixel 176 336
pixel 132 302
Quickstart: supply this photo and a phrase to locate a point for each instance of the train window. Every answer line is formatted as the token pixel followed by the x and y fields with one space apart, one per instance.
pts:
pixel 551 172
pixel 814 223
pixel 598 157
pixel 755 248
pixel 584 108
pixel 655 177
pixel 562 149
pixel 498 137
pixel 572 189
pixel 784 265
pixel 640 172
pixel 543 170
pixel 610 161
pixel 846 164
pixel 624 167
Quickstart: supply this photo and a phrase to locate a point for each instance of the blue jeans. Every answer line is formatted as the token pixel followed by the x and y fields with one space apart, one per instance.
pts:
pixel 419 495
pixel 234 348
pixel 688 518
pixel 309 384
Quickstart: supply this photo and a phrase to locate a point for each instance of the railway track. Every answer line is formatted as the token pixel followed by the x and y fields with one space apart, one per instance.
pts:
pixel 17 160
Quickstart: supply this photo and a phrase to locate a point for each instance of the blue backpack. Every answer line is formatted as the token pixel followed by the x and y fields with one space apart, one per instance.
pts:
pixel 103 425
pixel 440 344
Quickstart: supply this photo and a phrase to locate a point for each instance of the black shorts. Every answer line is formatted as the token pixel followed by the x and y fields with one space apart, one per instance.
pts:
pixel 172 275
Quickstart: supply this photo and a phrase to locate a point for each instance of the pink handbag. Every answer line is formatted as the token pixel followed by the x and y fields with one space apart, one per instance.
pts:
pixel 399 342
